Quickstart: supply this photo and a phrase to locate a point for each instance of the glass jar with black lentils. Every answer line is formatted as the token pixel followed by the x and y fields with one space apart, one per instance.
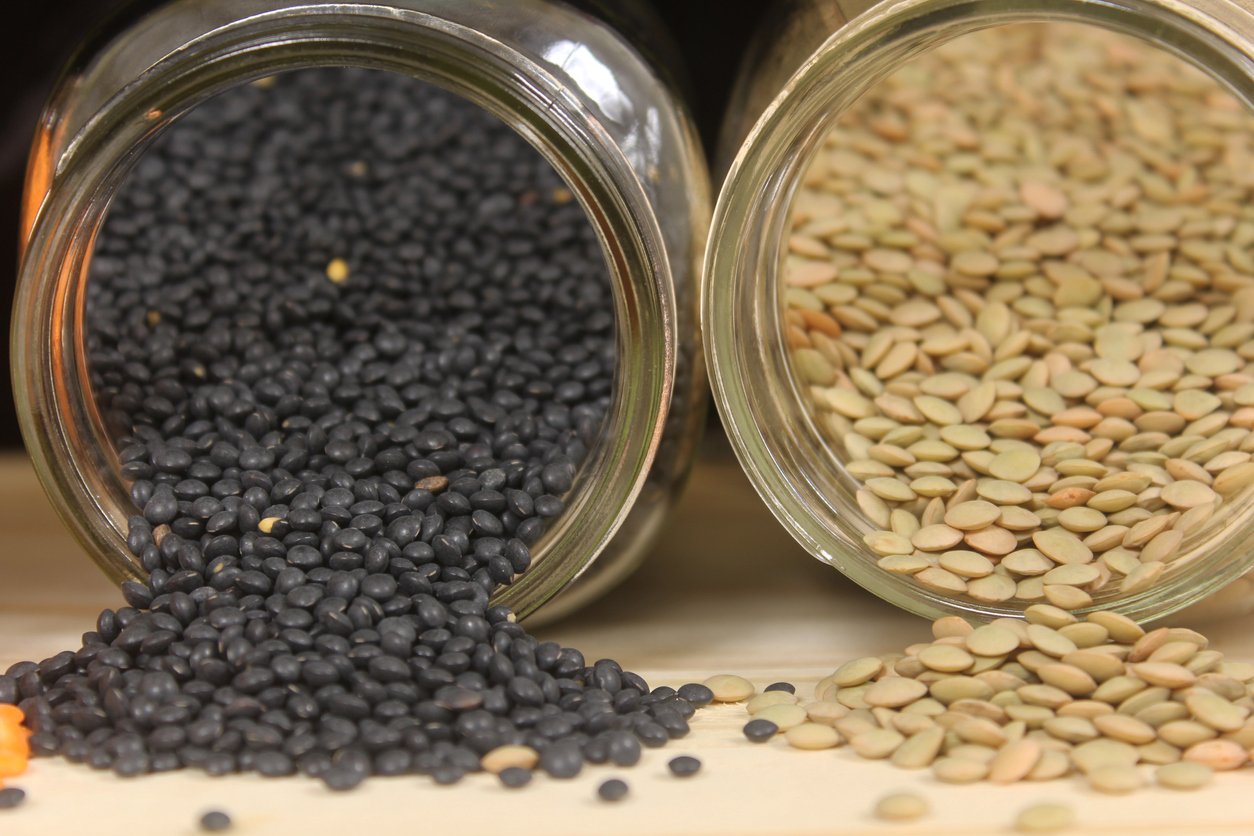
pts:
pixel 979 298
pixel 399 293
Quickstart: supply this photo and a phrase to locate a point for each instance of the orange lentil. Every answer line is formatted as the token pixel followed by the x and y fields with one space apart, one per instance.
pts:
pixel 821 322
pixel 14 742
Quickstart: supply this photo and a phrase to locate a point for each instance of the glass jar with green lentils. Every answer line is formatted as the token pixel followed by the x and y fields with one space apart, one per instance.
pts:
pixel 582 88
pixel 979 299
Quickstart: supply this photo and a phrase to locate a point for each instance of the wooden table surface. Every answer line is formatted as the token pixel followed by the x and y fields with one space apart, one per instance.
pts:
pixel 725 591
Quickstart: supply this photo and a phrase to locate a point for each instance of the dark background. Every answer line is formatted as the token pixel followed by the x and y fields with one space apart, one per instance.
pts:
pixel 38 37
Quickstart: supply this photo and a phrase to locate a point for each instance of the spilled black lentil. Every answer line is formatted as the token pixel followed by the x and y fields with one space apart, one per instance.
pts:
pixel 684 766
pixel 515 777
pixel 353 338
pixel 696 694
pixel 215 821
pixel 614 789
pixel 760 731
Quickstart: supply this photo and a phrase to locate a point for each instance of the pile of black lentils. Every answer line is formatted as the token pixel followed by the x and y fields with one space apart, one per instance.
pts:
pixel 354 338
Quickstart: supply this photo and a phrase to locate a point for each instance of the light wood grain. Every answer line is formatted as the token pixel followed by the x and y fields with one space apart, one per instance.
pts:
pixel 726 590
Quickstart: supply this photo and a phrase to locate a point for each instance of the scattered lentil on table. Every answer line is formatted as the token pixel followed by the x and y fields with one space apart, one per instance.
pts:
pixel 14 742
pixel 1183 775
pixel 1046 817
pixel 353 338
pixel 901 806
pixel 1019 292
pixel 215 821
pixel 614 789
pixel 11 797
pixel 684 766
pixel 515 777
pixel 726 687
pixel 760 731
pixel 813 736
pixel 696 694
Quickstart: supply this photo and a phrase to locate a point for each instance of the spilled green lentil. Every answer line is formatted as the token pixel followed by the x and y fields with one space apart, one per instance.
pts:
pixel 901 807
pixel 1036 700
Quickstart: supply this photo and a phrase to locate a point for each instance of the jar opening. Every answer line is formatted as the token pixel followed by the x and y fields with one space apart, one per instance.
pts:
pixel 592 182
pixel 931 159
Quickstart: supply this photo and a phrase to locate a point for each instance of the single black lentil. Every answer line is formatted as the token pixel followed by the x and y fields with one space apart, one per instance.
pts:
pixel 447 775
pixel 353 338
pixel 613 789
pixel 760 731
pixel 652 734
pixel 684 766
pixel 786 687
pixel 515 777
pixel 11 797
pixel 215 821
pixel 696 694
pixel 624 748
pixel 597 750
pixel 562 758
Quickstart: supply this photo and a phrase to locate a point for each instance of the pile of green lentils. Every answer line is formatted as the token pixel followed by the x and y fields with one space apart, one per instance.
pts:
pixel 1026 700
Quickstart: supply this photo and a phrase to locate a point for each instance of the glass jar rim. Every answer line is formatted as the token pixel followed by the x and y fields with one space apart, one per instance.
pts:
pixel 739 305
pixel 66 439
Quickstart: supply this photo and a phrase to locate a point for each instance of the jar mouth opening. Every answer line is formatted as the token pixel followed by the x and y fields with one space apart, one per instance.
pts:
pixel 66 437
pixel 769 419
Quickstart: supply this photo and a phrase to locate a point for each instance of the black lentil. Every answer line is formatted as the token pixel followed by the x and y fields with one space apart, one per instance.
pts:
pixel 624 748
pixel 760 731
pixel 671 720
pixel 786 687
pixel 11 797
pixel 447 775
pixel 215 821
pixel 515 777
pixel 341 778
pixel 684 766
pixel 696 694
pixel 652 734
pixel 561 759
pixel 352 348
pixel 597 749
pixel 614 789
